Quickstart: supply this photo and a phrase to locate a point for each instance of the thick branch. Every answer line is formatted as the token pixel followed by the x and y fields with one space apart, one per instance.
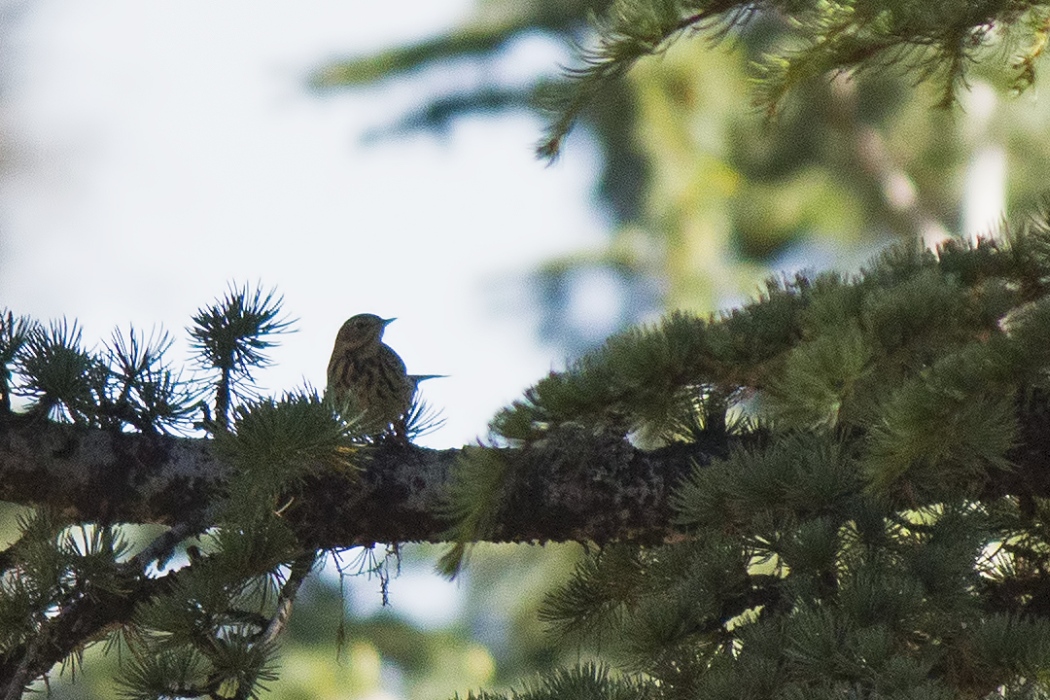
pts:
pixel 574 486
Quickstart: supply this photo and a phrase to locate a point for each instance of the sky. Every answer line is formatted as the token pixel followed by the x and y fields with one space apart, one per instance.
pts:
pixel 157 152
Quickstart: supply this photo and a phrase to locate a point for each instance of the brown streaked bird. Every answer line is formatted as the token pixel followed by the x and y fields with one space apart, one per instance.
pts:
pixel 367 376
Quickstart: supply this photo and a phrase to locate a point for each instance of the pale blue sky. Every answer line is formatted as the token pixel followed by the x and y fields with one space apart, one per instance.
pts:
pixel 157 151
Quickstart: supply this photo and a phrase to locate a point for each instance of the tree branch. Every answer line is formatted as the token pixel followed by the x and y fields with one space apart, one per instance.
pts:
pixel 575 485
pixel 76 624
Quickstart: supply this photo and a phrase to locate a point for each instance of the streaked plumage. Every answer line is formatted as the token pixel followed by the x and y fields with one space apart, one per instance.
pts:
pixel 367 377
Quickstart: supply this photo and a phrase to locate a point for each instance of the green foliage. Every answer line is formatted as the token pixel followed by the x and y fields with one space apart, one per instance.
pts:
pixel 129 385
pixel 596 598
pixel 781 607
pixel 142 389
pixel 862 539
pixel 472 502
pixel 211 632
pixel 231 338
pixel 166 673
pixel 639 381
pixel 184 671
pixel 705 197
pixel 936 41
pixel 798 476
pixel 912 331
pixel 632 31
pixel 273 444
pixel 14 333
pixel 61 377
pixel 210 624
pixel 585 682
pixel 54 564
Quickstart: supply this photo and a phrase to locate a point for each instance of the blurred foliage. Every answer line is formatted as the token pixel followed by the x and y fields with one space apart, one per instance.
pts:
pixel 709 196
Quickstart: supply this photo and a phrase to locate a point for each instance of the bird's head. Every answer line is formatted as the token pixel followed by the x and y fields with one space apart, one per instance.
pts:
pixel 361 331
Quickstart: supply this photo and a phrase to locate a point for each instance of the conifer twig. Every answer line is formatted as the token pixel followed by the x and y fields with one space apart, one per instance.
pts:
pixel 300 569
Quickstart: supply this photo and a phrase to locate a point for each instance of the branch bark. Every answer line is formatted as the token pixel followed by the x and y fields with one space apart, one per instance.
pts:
pixel 574 485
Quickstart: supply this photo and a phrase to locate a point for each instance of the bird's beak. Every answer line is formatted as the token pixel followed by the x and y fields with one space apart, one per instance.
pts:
pixel 387 321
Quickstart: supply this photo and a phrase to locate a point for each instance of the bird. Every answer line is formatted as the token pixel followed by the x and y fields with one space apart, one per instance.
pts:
pixel 367 378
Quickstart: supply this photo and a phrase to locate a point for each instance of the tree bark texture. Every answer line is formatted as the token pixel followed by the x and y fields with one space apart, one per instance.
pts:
pixel 572 485
pixel 576 484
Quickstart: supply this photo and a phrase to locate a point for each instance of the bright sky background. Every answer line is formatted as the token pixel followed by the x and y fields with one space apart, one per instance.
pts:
pixel 156 151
